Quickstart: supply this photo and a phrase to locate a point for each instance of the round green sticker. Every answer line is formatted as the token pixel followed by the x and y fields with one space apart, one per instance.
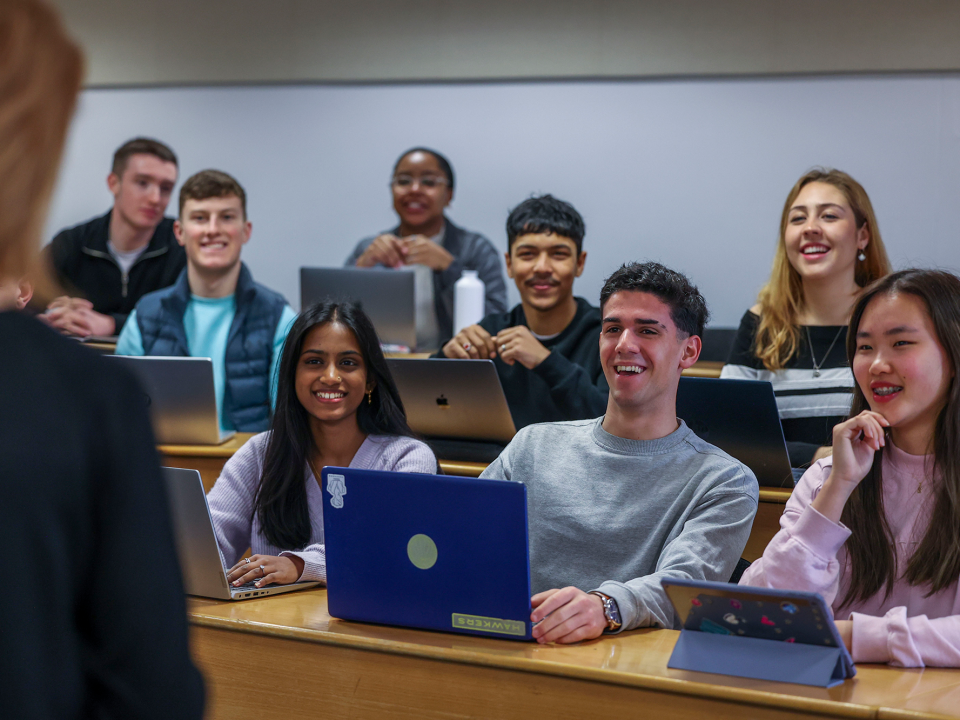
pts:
pixel 422 551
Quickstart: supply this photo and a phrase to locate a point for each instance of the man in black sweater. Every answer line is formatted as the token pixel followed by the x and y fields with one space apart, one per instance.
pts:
pixel 546 348
pixel 107 264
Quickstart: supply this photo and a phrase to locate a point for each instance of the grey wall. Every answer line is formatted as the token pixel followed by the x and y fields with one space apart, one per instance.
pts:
pixel 204 41
pixel 691 172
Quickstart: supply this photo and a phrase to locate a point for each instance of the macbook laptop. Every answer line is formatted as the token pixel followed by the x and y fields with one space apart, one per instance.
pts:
pixel 197 549
pixel 387 296
pixel 427 551
pixel 740 417
pixel 181 398
pixel 460 399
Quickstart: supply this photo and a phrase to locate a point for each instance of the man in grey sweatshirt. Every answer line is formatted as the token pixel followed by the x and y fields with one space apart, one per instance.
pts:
pixel 619 502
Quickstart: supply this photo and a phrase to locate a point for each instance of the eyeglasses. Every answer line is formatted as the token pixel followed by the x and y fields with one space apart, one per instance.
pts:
pixel 428 182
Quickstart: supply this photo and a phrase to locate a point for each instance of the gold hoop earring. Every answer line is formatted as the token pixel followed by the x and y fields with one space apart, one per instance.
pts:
pixel 369 397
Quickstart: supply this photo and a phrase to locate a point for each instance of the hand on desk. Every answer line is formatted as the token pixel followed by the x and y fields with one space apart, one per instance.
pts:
pixel 280 570
pixel 77 317
pixel 473 342
pixel 567 616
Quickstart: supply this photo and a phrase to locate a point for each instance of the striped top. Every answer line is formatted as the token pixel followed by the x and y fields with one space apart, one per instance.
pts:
pixel 809 405
pixel 232 497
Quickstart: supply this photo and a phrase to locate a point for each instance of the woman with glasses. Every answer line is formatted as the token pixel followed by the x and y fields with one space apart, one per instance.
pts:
pixel 422 188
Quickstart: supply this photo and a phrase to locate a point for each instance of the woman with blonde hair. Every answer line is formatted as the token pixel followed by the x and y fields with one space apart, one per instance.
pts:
pixel 83 501
pixel 829 249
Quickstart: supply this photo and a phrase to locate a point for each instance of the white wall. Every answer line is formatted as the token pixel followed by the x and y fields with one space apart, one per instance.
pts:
pixel 691 172
pixel 206 41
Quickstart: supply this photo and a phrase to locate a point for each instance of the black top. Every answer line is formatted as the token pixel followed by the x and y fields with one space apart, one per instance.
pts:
pixel 94 620
pixel 810 404
pixel 85 268
pixel 568 385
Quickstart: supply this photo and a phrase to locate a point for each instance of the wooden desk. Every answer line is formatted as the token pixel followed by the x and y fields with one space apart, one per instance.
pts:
pixel 705 369
pixel 285 657
pixel 210 459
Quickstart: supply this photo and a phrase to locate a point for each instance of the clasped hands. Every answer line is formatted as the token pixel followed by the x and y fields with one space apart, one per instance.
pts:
pixel 567 616
pixel 392 251
pixel 516 344
pixel 77 317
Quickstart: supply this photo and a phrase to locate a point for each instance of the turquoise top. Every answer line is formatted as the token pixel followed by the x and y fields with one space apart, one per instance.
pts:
pixel 206 323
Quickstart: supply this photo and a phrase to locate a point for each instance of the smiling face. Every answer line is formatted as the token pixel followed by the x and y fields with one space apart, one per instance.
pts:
pixel 821 237
pixel 331 378
pixel 642 353
pixel 213 231
pixel 421 192
pixel 544 268
pixel 901 367
pixel 141 195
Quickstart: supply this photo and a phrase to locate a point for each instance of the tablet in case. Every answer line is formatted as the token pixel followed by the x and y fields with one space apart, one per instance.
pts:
pixel 757 633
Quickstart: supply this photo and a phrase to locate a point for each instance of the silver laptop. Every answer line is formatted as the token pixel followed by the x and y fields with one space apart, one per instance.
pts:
pixel 197 548
pixel 388 297
pixel 181 397
pixel 453 398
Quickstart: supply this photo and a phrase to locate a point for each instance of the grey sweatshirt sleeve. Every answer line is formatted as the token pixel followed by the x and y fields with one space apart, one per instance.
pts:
pixel 708 548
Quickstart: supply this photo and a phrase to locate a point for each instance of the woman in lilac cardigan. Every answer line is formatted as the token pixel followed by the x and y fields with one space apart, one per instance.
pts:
pixel 875 529
pixel 336 405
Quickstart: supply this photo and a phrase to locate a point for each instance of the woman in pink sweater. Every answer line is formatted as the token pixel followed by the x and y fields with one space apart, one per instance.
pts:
pixel 875 529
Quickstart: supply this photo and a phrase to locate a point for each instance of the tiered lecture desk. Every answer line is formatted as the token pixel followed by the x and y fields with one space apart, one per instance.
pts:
pixel 285 657
pixel 210 459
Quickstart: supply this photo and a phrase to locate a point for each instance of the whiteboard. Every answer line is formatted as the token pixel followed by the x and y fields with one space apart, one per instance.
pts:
pixel 692 173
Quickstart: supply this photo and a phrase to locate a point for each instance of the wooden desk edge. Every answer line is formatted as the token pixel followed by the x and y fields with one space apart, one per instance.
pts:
pixel 775 495
pixel 673 686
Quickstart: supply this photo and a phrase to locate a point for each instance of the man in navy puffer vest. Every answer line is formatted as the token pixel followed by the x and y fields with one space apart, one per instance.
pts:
pixel 215 309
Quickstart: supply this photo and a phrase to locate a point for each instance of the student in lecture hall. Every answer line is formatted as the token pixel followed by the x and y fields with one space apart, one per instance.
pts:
pixel 545 349
pixel 215 309
pixel 875 529
pixel 337 405
pixel 618 502
pixel 422 187
pixel 84 507
pixel 829 249
pixel 110 262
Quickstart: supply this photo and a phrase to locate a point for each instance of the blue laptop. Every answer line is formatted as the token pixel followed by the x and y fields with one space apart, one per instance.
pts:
pixel 427 551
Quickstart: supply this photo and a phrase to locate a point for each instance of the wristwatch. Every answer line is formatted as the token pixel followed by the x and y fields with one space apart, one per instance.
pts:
pixel 610 611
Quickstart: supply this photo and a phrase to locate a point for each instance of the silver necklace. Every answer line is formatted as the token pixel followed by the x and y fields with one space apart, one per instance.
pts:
pixel 816 366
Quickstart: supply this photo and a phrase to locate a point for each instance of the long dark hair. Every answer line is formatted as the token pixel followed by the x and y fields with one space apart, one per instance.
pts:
pixel 281 502
pixel 870 549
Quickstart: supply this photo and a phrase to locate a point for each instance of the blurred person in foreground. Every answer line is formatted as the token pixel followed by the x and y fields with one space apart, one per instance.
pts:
pixel 83 503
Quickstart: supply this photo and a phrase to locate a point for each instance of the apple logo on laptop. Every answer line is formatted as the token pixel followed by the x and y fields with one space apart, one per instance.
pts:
pixel 442 402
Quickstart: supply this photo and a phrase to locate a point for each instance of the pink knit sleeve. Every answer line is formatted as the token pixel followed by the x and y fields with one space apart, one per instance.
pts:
pixel 906 642
pixel 803 554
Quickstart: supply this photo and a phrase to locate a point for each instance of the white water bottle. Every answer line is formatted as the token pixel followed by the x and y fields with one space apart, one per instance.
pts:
pixel 469 295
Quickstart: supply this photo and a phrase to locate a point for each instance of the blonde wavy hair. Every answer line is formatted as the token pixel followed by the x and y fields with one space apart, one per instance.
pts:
pixel 40 74
pixel 781 299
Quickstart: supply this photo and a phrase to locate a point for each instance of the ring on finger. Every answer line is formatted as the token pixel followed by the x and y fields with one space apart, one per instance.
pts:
pixel 466 346
pixel 247 560
pixel 503 348
pixel 263 570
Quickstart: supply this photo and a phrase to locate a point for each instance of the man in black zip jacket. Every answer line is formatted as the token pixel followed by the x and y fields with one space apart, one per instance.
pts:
pixel 107 264
pixel 546 348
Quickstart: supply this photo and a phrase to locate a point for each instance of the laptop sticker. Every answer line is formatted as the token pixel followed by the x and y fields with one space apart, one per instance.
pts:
pixel 422 551
pixel 490 625
pixel 337 487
